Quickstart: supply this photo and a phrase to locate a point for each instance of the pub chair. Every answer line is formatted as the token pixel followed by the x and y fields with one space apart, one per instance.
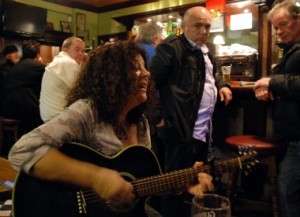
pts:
pixel 265 149
pixel 9 134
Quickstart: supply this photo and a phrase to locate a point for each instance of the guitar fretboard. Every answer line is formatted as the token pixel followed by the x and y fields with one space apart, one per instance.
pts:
pixel 178 179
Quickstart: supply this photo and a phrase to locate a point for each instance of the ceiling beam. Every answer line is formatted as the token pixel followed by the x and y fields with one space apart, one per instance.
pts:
pixel 109 7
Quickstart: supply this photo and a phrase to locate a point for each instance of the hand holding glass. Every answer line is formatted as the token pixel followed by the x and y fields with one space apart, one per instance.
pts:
pixel 210 205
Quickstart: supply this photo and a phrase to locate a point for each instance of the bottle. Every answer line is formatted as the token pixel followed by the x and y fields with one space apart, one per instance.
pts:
pixel 170 28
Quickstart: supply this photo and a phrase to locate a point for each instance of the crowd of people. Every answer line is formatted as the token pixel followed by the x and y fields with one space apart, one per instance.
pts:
pixel 155 92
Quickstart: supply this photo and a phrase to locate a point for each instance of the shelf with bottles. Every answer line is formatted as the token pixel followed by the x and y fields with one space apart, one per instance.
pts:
pixel 170 27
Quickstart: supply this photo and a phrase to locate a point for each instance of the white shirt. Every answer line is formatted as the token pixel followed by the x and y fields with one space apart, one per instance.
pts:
pixel 203 125
pixel 58 78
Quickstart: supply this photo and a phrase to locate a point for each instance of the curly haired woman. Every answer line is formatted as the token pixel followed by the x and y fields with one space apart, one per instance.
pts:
pixel 105 112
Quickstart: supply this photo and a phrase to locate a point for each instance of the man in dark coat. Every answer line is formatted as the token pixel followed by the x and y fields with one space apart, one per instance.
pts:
pixel 22 88
pixel 184 73
pixel 11 57
pixel 283 87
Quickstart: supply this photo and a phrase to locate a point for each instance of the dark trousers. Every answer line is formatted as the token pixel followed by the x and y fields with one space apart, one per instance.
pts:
pixel 179 155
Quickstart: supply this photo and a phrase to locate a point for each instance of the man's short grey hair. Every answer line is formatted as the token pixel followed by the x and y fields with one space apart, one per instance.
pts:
pixel 290 6
pixel 69 41
pixel 147 32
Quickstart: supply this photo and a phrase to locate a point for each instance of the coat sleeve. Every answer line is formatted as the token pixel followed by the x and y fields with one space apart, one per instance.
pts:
pixel 160 65
pixel 286 86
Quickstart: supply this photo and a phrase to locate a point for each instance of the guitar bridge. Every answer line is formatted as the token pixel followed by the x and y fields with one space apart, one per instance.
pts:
pixel 81 202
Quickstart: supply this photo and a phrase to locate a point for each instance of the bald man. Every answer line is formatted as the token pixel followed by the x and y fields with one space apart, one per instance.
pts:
pixel 184 72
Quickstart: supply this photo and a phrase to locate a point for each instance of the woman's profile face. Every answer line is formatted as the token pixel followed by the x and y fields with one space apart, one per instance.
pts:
pixel 139 84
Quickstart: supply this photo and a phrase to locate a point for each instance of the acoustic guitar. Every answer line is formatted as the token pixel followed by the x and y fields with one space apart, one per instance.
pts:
pixel 34 197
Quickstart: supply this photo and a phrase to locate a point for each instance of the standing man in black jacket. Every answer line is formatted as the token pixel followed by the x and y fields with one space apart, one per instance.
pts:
pixel 22 88
pixel 283 86
pixel 184 73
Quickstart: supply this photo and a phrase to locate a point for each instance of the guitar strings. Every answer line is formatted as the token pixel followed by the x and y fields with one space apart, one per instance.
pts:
pixel 177 176
pixel 164 182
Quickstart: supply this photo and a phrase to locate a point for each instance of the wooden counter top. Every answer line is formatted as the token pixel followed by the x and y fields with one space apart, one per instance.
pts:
pixel 238 85
pixel 6 173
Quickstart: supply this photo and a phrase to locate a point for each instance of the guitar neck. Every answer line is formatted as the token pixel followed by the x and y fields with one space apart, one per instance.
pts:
pixel 176 180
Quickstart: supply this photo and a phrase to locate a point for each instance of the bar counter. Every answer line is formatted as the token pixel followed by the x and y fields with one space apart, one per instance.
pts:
pixel 244 115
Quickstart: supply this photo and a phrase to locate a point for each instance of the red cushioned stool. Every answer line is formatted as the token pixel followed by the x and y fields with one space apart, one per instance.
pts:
pixel 265 149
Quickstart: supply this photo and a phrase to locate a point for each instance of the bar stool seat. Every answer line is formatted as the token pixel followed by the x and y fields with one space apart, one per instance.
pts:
pixel 265 149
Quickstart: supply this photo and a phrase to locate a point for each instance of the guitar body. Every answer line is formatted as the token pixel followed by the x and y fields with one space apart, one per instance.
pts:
pixel 33 197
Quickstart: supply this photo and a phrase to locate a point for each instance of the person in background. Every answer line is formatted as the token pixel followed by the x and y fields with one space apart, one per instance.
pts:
pixel 11 56
pixel 105 112
pixel 21 90
pixel 149 36
pixel 59 77
pixel 283 87
pixel 184 74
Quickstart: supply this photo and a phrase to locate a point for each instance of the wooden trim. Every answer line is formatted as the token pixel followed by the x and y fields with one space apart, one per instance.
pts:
pixel 128 20
pixel 110 7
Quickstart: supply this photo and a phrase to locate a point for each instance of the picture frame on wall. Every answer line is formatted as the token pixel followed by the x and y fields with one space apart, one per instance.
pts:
pixel 49 26
pixel 65 26
pixel 80 24
pixel 217 24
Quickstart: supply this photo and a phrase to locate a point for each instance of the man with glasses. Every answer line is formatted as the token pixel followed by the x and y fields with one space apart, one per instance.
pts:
pixel 283 86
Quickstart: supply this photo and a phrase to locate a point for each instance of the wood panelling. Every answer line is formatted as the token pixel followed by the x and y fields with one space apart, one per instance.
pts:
pixel 100 5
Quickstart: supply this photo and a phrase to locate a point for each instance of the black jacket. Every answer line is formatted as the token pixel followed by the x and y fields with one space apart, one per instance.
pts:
pixel 21 91
pixel 178 70
pixel 285 86
pixel 4 71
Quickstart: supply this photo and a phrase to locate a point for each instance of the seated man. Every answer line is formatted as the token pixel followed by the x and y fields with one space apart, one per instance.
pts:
pixel 59 77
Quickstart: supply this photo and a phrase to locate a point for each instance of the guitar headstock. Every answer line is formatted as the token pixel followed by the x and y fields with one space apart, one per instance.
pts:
pixel 250 161
pixel 245 161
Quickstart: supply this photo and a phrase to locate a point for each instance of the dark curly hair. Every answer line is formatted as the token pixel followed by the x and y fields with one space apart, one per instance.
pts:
pixel 107 81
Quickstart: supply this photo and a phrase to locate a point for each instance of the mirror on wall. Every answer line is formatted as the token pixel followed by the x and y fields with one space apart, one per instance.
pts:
pixel 239 34
pixel 237 25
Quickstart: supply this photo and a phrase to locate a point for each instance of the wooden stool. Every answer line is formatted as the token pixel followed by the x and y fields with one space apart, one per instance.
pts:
pixel 266 155
pixel 8 125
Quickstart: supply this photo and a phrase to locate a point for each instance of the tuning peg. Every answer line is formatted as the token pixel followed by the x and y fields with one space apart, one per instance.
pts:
pixel 241 150
pixel 253 152
pixel 249 168
pixel 246 173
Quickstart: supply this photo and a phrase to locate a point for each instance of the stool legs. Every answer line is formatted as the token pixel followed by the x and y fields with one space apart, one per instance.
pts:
pixel 270 162
pixel 272 175
pixel 232 185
